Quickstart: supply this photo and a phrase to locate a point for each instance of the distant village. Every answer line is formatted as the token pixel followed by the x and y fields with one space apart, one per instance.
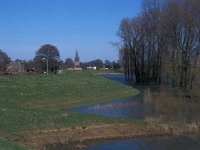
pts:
pixel 51 66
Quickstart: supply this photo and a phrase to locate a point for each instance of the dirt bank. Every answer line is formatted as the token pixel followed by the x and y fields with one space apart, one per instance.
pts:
pixel 40 139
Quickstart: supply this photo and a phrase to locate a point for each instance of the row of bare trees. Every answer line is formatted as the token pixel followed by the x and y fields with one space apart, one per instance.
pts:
pixel 162 44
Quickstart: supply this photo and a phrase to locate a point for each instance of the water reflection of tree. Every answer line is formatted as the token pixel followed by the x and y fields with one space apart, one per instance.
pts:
pixel 172 106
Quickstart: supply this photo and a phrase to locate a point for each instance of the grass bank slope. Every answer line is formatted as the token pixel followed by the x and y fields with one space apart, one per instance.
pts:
pixel 5 145
pixel 29 103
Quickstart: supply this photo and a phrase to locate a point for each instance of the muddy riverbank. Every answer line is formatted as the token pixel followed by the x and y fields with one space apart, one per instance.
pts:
pixel 45 139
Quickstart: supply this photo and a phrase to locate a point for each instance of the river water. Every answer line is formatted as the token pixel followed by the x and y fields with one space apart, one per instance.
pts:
pixel 153 143
pixel 158 143
pixel 135 108
pixel 131 107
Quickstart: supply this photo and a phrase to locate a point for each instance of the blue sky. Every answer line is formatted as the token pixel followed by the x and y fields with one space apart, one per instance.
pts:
pixel 86 25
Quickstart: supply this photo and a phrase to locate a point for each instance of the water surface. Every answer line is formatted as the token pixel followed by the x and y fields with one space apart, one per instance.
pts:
pixel 135 107
pixel 131 107
pixel 153 143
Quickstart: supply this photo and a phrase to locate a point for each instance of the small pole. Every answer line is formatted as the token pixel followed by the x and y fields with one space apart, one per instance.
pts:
pixel 47 66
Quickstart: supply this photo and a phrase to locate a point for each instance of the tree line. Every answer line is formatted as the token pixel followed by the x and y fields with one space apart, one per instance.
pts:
pixel 50 53
pixel 162 44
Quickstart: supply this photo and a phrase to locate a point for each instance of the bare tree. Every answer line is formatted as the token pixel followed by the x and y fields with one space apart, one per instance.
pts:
pixel 162 44
pixel 181 32
pixel 142 44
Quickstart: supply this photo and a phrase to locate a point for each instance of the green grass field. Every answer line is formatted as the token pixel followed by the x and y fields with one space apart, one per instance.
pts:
pixel 5 145
pixel 34 102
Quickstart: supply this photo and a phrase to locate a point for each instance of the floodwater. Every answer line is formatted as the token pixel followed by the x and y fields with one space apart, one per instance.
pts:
pixel 131 107
pixel 153 143
pixel 134 107
pixel 158 143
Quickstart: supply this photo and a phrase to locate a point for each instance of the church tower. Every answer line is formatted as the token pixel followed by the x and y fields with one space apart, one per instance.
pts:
pixel 76 60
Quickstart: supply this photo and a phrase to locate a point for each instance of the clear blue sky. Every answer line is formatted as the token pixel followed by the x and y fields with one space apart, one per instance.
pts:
pixel 86 25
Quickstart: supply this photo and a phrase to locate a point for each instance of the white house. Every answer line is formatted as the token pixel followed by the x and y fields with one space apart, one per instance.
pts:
pixel 91 68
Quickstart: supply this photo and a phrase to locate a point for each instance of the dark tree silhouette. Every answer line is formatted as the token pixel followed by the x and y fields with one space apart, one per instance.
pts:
pixel 4 60
pixel 162 43
pixel 69 63
pixel 47 54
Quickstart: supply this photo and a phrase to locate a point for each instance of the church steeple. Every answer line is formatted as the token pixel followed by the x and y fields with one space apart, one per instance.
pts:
pixel 76 56
pixel 76 60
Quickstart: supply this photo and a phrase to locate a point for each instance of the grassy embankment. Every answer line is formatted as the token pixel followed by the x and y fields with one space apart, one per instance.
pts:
pixel 5 145
pixel 33 103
